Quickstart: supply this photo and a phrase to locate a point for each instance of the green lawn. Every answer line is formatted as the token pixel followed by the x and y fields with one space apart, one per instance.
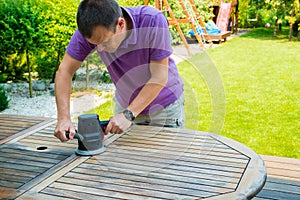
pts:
pixel 256 77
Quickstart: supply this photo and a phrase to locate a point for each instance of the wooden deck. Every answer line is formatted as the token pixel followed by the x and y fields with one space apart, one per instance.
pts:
pixel 35 165
pixel 283 179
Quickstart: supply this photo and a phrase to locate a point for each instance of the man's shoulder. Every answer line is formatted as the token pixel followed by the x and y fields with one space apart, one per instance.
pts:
pixel 145 16
pixel 142 11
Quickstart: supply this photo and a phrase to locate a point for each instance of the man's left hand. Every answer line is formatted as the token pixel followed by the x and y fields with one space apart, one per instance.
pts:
pixel 118 124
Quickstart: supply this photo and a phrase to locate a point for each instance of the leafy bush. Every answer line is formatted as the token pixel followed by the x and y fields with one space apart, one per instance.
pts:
pixel 3 99
pixel 105 77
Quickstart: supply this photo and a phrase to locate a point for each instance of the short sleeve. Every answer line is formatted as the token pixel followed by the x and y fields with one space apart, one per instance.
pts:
pixel 160 38
pixel 79 48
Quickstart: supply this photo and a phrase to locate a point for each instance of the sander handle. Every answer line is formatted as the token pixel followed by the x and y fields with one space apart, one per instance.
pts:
pixel 104 124
pixel 76 136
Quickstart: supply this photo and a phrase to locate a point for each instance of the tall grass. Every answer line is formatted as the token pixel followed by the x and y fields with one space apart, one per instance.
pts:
pixel 261 78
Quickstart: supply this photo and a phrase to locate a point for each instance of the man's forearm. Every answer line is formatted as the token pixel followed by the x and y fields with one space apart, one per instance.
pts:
pixel 158 80
pixel 145 97
pixel 63 86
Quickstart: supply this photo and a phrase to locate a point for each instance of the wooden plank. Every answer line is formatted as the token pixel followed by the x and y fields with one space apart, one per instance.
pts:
pixel 196 163
pixel 20 173
pixel 115 191
pixel 283 173
pixel 13 161
pixel 28 131
pixel 27 168
pixel 285 168
pixel 74 195
pixel 191 148
pixel 206 160
pixel 280 187
pixel 18 156
pixel 171 169
pixel 286 182
pixel 33 148
pixel 20 117
pixel 10 184
pixel 39 196
pixel 7 193
pixel 270 194
pixel 21 124
pixel 166 174
pixel 171 153
pixel 54 142
pixel 196 167
pixel 23 151
pixel 124 178
pixel 14 177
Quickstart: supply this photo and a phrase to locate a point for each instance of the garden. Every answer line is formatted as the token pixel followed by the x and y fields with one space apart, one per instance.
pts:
pixel 256 102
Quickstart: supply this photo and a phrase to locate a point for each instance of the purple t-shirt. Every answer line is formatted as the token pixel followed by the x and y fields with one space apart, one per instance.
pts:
pixel 128 66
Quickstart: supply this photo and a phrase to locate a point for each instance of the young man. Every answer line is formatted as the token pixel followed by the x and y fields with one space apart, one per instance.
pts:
pixel 135 45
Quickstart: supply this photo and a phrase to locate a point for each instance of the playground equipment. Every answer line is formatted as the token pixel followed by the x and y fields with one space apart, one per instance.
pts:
pixel 192 17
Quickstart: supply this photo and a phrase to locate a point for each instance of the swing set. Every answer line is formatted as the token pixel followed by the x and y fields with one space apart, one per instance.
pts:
pixel 192 17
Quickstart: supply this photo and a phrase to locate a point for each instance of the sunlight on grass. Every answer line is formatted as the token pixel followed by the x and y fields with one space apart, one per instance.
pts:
pixel 261 79
pixel 106 110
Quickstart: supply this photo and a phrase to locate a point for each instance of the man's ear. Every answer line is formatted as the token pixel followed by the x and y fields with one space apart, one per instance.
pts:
pixel 121 23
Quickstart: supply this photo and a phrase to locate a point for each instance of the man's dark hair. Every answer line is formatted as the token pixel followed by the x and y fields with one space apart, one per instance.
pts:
pixel 92 13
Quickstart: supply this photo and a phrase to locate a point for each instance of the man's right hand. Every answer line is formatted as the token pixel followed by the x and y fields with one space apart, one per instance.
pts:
pixel 62 127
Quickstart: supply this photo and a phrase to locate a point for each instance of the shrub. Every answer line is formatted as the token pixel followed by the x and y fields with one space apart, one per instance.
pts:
pixel 3 99
pixel 105 77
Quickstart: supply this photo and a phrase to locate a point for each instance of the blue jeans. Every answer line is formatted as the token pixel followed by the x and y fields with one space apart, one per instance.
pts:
pixel 170 116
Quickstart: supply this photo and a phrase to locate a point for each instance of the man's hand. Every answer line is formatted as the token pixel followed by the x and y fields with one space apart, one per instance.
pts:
pixel 118 124
pixel 62 127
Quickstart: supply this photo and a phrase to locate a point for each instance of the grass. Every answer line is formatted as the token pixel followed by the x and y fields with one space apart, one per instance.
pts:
pixel 106 110
pixel 246 89
pixel 260 87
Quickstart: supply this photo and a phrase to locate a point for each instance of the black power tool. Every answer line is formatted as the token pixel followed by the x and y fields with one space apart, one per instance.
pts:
pixel 90 135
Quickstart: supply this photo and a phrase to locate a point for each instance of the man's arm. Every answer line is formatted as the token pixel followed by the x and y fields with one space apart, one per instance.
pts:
pixel 63 87
pixel 158 80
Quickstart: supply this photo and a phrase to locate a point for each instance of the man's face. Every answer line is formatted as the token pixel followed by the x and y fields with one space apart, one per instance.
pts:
pixel 107 40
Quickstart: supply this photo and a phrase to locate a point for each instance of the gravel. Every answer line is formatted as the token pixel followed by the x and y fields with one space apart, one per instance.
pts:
pixel 42 104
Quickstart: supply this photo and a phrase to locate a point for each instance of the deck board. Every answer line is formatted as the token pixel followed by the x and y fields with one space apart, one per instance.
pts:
pixel 283 181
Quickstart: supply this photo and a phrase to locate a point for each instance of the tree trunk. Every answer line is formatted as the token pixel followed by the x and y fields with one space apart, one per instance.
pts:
pixel 291 32
pixel 87 74
pixel 29 72
pixel 56 63
pixel 276 27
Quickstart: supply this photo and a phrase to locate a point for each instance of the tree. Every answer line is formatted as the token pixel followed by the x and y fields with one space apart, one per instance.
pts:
pixel 285 9
pixel 34 34
pixel 293 17
pixel 21 30
pixel 59 18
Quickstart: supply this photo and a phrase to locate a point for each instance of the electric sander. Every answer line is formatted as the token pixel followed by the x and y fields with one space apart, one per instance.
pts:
pixel 90 135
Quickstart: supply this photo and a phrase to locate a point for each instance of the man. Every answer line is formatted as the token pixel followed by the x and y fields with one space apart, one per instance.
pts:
pixel 135 45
